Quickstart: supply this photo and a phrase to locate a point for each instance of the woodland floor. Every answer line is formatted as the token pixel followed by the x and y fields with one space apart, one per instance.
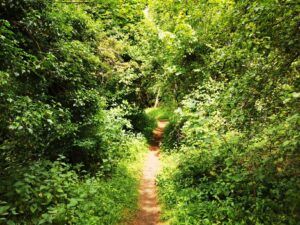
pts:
pixel 149 209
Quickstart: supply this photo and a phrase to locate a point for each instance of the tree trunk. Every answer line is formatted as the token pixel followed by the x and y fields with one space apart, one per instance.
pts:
pixel 157 98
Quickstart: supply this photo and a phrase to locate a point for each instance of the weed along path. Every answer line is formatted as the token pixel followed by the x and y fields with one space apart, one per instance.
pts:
pixel 149 210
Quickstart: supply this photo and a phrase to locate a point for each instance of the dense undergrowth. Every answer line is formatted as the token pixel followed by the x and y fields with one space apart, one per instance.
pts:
pixel 75 78
pixel 68 101
pixel 152 115
pixel 231 71
pixel 54 193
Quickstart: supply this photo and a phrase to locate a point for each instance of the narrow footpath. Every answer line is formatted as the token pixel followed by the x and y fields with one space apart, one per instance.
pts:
pixel 149 210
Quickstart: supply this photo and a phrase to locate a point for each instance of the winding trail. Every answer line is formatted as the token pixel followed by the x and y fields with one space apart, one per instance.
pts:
pixel 149 210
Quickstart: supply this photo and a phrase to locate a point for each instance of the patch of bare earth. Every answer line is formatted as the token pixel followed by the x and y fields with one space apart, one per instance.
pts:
pixel 149 209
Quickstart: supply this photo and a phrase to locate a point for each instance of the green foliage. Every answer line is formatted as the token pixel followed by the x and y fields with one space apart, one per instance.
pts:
pixel 52 192
pixel 59 63
pixel 75 80
pixel 149 120
pixel 223 177
pixel 63 69
pixel 235 81
pixel 160 113
pixel 172 134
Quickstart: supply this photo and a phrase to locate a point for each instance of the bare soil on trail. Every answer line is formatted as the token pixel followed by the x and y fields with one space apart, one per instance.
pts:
pixel 149 210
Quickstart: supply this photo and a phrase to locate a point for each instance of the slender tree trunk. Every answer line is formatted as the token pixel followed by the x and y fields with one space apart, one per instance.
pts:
pixel 157 98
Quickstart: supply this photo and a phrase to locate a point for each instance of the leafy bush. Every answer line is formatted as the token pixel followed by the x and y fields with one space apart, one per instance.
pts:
pixel 223 178
pixel 148 120
pixel 57 77
pixel 63 67
pixel 232 67
pixel 172 134
pixel 53 192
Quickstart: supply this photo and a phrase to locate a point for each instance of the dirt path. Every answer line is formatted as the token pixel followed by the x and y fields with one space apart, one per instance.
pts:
pixel 149 209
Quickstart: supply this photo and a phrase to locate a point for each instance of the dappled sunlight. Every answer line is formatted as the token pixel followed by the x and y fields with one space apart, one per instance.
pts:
pixel 149 209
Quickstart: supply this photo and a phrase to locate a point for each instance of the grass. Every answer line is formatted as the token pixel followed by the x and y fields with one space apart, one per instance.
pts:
pixel 150 118
pixel 126 182
pixel 67 198
pixel 159 113
pixel 114 200
pixel 166 190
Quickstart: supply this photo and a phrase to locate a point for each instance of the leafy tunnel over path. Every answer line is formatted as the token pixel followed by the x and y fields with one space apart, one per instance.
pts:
pixel 77 76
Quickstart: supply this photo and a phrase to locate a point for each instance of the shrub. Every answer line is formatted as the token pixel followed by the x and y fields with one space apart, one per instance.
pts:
pixel 53 192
